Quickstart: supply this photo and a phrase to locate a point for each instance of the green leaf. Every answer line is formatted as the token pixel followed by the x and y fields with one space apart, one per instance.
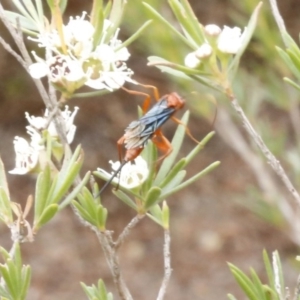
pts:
pixel 43 184
pixel 190 180
pixel 46 216
pixel 25 24
pixel 276 257
pixel 8 281
pixel 152 197
pixel 63 5
pixel 199 147
pixel 101 217
pixel 102 290
pixel 156 214
pixel 197 27
pixel 115 16
pixel 75 191
pixel 3 179
pixel 244 282
pixel 295 59
pixel 84 213
pixel 97 20
pixel 250 29
pixel 231 297
pixel 174 171
pixel 150 155
pixel 258 286
pixel 176 180
pixel 26 277
pixel 288 62
pixel 88 202
pixel 292 83
pixel 134 36
pixel 269 269
pixel 165 216
pixel 125 198
pixel 176 144
pixel 173 68
pixel 187 20
pixel 67 176
pixel 5 294
pixel 156 16
pixel 5 207
pixel 4 253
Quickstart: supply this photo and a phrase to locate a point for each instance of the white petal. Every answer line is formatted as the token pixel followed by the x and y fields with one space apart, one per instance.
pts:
pixel 230 40
pixel 123 54
pixel 26 157
pixel 38 70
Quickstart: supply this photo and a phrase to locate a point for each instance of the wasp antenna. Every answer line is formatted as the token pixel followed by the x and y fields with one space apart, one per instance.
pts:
pixel 111 178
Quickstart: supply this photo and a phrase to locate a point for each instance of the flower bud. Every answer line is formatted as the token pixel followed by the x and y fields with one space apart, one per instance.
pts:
pixel 212 30
pixel 204 51
pixel 191 60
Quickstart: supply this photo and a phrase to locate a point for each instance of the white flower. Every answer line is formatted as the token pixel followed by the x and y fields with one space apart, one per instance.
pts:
pixel 192 61
pixel 26 156
pixel 230 39
pixel 78 29
pixel 99 66
pixel 132 175
pixel 36 124
pixel 204 51
pixel 58 68
pixel 212 30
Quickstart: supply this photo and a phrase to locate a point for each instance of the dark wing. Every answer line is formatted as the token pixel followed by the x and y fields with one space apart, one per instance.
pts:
pixel 139 132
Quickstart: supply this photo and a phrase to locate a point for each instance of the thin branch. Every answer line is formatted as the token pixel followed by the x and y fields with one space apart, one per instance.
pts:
pixel 167 266
pixel 127 230
pixel 12 251
pixel 113 263
pixel 274 163
pixel 232 136
pixel 9 49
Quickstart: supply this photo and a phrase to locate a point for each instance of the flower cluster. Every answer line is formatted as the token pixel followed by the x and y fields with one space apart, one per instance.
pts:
pixel 73 59
pixel 27 154
pixel 227 41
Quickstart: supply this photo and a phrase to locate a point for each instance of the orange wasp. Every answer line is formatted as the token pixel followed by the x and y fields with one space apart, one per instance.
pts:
pixel 139 132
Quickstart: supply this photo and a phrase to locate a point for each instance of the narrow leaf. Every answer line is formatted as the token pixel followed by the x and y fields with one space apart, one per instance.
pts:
pixel 75 191
pixel 158 17
pixel 125 198
pixel 250 29
pixel 176 143
pixel 46 216
pixel 152 197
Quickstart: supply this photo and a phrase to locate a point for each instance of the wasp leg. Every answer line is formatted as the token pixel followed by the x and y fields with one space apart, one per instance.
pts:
pixel 188 132
pixel 147 100
pixel 162 143
pixel 120 143
pixel 154 88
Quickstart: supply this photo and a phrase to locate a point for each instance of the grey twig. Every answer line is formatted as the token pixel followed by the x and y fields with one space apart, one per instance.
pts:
pixel 9 49
pixel 127 230
pixel 167 266
pixel 273 193
pixel 274 163
pixel 113 263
